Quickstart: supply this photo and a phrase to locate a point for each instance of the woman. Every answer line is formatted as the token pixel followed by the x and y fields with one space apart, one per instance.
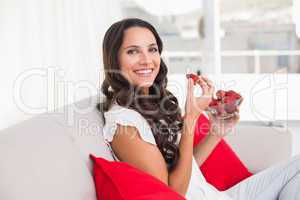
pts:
pixel 143 121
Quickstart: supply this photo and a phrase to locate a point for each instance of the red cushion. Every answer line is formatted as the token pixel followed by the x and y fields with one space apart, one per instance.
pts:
pixel 223 168
pixel 121 181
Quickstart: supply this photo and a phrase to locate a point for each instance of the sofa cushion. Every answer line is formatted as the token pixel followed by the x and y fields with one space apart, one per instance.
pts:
pixel 39 161
pixel 119 180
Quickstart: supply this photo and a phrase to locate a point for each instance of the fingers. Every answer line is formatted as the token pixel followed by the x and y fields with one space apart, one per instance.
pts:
pixel 190 90
pixel 203 85
pixel 231 122
pixel 209 83
pixel 210 116
pixel 222 127
pixel 234 119
pixel 206 85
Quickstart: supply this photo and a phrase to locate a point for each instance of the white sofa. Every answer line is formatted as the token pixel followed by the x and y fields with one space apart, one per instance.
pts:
pixel 46 157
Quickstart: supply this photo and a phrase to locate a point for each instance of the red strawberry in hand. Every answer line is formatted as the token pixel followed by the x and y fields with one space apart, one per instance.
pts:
pixel 220 94
pixel 193 76
pixel 216 107
pixel 214 102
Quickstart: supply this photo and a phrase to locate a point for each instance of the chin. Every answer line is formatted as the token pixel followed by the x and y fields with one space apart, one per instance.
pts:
pixel 147 84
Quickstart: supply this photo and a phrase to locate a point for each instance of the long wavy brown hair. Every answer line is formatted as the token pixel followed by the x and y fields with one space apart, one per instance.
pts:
pixel 160 107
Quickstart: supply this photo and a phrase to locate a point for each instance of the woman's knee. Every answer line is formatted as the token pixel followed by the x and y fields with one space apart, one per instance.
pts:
pixel 291 189
pixel 296 160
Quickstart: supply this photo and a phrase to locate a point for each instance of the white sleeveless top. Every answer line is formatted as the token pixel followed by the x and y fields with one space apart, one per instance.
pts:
pixel 198 188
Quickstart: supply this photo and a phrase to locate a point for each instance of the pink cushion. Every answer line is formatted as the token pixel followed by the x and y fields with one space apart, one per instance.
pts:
pixel 223 168
pixel 121 181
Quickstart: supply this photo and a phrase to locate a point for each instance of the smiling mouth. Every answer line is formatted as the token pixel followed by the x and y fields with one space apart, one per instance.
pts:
pixel 144 72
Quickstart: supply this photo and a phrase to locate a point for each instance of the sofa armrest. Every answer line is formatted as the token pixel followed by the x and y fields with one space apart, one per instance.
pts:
pixel 260 146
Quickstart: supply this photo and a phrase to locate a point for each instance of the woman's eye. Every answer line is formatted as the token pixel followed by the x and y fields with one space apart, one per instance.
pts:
pixel 154 49
pixel 132 51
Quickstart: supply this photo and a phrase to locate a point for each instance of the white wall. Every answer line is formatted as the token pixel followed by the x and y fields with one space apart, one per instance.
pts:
pixel 50 53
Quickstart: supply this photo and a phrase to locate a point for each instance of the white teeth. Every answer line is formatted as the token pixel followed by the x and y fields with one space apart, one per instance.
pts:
pixel 144 71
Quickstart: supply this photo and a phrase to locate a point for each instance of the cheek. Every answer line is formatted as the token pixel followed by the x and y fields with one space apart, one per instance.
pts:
pixel 125 64
pixel 157 62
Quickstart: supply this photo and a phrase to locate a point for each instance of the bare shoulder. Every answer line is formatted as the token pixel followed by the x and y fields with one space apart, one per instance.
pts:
pixel 131 148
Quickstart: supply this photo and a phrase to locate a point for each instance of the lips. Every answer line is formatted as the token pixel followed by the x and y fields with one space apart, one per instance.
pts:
pixel 144 72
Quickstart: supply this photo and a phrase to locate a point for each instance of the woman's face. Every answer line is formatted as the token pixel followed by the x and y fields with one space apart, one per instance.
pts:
pixel 139 57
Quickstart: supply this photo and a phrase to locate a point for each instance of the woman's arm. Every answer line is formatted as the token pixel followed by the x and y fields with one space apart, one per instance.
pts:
pixel 205 148
pixel 180 177
pixel 218 129
pixel 131 148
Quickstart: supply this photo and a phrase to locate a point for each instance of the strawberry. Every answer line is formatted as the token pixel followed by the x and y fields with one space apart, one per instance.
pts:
pixel 233 94
pixel 230 108
pixel 226 104
pixel 217 107
pixel 193 76
pixel 229 99
pixel 214 102
pixel 220 94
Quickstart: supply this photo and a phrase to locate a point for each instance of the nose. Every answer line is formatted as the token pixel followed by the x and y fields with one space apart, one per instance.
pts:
pixel 145 58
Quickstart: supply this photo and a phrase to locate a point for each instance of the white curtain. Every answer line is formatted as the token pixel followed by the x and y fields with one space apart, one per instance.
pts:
pixel 50 53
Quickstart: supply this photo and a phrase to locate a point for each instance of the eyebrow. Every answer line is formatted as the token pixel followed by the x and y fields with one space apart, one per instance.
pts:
pixel 135 46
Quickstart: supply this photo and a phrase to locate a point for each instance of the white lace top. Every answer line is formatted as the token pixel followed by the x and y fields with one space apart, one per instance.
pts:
pixel 198 188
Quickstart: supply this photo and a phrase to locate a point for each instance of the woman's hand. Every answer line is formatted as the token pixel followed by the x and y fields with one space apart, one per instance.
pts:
pixel 194 106
pixel 222 127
